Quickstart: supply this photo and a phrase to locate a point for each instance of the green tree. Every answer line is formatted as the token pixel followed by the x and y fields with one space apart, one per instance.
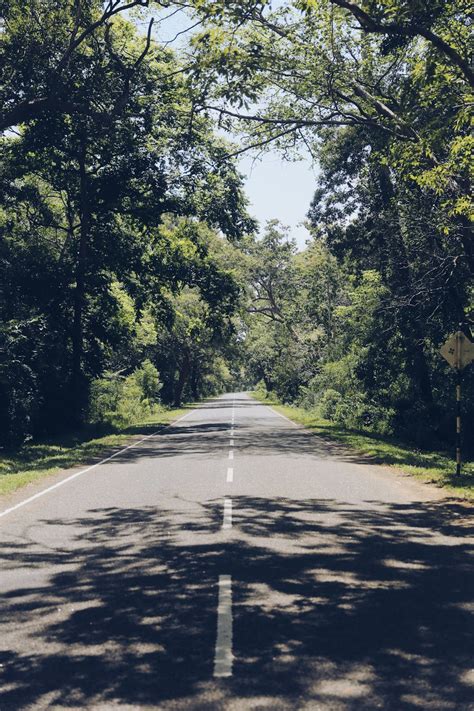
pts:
pixel 43 43
pixel 84 197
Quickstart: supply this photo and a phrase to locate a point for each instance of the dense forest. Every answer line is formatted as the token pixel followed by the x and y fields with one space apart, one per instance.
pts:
pixel 131 272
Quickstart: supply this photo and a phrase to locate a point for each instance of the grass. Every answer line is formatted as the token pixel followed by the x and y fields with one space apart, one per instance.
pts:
pixel 35 460
pixel 429 466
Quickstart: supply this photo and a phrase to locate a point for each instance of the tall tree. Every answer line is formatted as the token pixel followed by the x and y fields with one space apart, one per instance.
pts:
pixel 96 186
pixel 41 43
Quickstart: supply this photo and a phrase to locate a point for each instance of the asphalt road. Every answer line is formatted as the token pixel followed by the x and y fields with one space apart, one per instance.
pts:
pixel 244 566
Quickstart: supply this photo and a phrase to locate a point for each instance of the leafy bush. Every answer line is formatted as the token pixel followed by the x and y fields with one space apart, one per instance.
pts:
pixel 352 410
pixel 18 400
pixel 120 401
pixel 147 378
pixel 105 395
pixel 329 404
pixel 19 391
pixel 358 414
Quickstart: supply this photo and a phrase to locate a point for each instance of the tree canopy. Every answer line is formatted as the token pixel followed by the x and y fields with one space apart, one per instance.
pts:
pixel 129 265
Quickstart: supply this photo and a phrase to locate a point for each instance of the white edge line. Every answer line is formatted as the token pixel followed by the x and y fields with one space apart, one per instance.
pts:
pixel 280 415
pixel 88 469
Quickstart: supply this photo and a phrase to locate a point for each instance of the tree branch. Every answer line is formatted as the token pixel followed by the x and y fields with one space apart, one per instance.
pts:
pixel 114 7
pixel 369 24
pixel 127 71
pixel 25 111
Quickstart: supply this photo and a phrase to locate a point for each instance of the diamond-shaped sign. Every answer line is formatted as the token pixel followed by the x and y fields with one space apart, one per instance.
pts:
pixel 458 350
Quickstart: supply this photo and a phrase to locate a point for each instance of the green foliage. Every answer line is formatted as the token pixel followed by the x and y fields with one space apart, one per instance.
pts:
pixel 344 353
pixel 110 196
pixel 381 94
pixel 148 380
pixel 126 248
pixel 18 382
pixel 329 403
pixel 120 401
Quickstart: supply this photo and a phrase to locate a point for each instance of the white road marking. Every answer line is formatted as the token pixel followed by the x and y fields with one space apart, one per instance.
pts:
pixel 88 469
pixel 227 521
pixel 230 474
pixel 231 444
pixel 231 455
pixel 223 657
pixel 280 415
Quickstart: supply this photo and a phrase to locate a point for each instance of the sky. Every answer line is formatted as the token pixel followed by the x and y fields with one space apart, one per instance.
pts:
pixel 275 188
pixel 280 189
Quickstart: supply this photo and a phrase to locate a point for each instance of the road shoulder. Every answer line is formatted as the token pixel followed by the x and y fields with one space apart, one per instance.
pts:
pixel 55 462
pixel 414 467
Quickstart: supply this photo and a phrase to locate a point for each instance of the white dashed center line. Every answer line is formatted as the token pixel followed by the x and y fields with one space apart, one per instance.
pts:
pixel 231 454
pixel 231 443
pixel 227 521
pixel 230 474
pixel 223 655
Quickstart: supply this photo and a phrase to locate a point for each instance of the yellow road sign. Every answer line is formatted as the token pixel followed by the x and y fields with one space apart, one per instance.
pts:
pixel 458 350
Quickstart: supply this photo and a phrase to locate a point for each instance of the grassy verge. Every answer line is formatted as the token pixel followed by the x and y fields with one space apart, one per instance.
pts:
pixel 434 467
pixel 38 459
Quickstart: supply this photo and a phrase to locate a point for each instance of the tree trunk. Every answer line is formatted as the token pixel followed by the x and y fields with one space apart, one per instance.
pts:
pixel 194 382
pixel 268 382
pixel 78 384
pixel 467 242
pixel 182 378
pixel 401 287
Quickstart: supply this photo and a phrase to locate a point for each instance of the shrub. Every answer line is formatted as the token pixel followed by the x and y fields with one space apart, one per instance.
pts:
pixel 105 395
pixel 18 400
pixel 147 378
pixel 131 406
pixel 356 412
pixel 120 401
pixel 329 403
pixel 20 396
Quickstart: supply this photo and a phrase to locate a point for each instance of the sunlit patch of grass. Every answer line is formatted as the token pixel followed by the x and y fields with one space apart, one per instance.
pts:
pixel 426 465
pixel 38 459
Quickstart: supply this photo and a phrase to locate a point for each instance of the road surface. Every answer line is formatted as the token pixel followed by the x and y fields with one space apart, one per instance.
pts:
pixel 235 561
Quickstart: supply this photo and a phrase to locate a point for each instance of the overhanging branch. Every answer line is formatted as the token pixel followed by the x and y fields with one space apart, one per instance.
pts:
pixel 370 24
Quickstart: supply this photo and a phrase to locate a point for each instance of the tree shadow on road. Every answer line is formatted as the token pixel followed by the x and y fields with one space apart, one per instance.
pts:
pixel 211 440
pixel 335 606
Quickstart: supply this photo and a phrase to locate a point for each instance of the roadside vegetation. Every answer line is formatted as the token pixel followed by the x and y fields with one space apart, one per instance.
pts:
pixel 132 275
pixel 114 209
pixel 37 459
pixel 428 466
